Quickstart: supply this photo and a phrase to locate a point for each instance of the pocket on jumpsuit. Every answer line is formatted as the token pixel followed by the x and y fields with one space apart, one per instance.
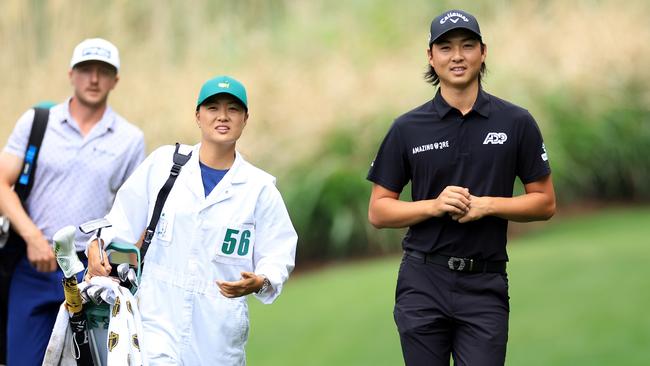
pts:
pixel 234 254
pixel 165 228
pixel 229 322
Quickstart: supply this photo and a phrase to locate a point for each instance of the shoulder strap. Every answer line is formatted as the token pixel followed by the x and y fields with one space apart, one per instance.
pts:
pixel 26 179
pixel 179 161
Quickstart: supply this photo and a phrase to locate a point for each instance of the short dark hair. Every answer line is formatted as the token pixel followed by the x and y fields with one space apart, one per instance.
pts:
pixel 212 98
pixel 90 62
pixel 431 76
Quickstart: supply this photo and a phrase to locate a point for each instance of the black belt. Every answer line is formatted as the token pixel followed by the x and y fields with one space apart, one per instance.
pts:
pixel 459 264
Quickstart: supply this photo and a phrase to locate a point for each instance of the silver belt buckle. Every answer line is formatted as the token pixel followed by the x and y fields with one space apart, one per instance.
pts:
pixel 456 264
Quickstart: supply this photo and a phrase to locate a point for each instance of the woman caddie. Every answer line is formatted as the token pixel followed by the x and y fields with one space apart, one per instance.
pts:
pixel 224 233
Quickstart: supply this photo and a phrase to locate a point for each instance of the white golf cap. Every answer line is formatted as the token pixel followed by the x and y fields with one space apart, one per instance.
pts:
pixel 96 49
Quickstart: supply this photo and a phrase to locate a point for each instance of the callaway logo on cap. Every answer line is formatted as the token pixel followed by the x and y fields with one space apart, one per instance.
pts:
pixel 452 19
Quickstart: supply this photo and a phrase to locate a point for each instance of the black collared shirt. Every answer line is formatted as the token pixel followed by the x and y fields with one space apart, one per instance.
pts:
pixel 435 146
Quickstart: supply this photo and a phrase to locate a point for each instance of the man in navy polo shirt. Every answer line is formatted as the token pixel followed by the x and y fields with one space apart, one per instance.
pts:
pixel 462 152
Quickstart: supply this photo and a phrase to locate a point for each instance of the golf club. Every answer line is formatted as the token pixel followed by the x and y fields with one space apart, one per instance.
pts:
pixel 94 293
pixel 132 277
pixel 123 271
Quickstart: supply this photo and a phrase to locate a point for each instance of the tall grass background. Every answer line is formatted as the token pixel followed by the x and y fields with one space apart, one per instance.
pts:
pixel 326 79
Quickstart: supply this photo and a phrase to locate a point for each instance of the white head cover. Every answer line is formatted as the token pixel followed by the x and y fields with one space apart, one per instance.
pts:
pixel 65 253
pixel 96 49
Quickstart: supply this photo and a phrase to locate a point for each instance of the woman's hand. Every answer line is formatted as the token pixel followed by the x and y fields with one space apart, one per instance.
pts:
pixel 249 283
pixel 95 267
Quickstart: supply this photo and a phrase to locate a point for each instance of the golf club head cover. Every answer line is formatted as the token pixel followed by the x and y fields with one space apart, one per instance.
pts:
pixel 64 250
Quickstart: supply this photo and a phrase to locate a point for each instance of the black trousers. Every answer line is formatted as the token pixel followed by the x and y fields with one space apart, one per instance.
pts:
pixel 442 313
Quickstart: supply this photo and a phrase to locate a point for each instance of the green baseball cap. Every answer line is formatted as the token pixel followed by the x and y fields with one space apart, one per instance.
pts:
pixel 223 84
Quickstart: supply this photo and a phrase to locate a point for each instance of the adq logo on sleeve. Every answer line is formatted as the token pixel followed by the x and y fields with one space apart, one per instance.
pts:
pixel 544 154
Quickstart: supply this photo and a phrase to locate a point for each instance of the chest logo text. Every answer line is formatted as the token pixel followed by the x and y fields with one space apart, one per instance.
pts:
pixel 434 146
pixel 495 138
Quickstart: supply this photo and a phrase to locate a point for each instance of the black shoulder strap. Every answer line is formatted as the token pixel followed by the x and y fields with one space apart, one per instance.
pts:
pixel 179 161
pixel 26 179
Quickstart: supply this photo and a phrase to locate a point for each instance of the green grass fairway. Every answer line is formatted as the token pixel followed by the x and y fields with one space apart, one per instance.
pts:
pixel 579 288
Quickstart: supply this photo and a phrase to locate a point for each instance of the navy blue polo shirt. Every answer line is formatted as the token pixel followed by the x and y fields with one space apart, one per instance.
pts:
pixel 434 146
pixel 211 177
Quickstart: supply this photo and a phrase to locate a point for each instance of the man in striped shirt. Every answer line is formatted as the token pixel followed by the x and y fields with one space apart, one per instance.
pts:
pixel 87 152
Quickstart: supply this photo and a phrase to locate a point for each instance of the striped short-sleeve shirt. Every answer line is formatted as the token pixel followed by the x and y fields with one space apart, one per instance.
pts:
pixel 77 176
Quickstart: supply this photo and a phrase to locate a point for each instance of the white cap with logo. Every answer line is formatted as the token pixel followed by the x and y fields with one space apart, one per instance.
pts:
pixel 96 49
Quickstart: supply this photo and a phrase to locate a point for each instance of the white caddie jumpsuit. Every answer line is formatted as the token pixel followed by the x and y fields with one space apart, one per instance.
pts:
pixel 243 225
